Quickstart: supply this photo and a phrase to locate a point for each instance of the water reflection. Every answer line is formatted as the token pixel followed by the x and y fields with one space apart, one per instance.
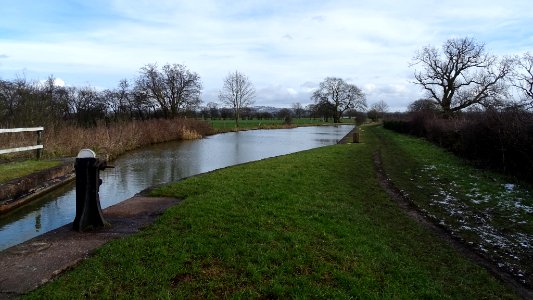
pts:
pixel 163 163
pixel 38 222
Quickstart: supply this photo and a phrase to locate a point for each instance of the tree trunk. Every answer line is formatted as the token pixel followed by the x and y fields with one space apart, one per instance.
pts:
pixel 237 118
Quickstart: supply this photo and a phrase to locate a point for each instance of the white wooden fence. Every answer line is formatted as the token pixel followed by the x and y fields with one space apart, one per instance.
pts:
pixel 39 147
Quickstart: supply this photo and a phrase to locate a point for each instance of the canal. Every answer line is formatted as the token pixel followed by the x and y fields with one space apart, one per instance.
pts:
pixel 162 163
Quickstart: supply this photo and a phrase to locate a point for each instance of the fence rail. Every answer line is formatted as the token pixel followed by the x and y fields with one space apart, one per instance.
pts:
pixel 39 147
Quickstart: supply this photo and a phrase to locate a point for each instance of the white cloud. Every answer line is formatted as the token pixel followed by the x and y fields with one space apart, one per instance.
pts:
pixel 292 91
pixel 285 47
pixel 59 82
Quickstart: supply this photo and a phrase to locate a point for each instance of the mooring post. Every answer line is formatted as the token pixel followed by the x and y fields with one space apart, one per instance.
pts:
pixel 88 211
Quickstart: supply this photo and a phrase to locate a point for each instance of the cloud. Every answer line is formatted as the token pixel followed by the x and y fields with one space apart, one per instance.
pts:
pixel 3 56
pixel 288 37
pixel 285 47
pixel 59 82
pixel 318 19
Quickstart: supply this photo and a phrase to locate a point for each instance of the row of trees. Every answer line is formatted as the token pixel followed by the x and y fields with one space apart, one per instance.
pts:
pixel 462 75
pixel 332 99
pixel 213 111
pixel 167 92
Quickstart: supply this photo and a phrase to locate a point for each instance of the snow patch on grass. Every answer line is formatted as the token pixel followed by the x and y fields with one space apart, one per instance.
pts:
pixel 490 217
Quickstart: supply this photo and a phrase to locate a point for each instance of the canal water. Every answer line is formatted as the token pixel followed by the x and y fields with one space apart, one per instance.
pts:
pixel 162 163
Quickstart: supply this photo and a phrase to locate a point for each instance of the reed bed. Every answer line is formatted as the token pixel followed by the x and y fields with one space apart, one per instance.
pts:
pixel 108 141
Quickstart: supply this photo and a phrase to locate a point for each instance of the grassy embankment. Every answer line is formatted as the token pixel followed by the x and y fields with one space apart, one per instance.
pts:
pixel 311 224
pixel 14 170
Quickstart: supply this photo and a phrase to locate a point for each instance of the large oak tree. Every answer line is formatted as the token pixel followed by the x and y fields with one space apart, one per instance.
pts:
pixel 174 88
pixel 461 74
pixel 340 95
pixel 523 78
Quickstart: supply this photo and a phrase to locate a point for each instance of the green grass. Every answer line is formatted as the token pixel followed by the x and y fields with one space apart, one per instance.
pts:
pixel 315 224
pixel 12 170
pixel 229 124
pixel 491 212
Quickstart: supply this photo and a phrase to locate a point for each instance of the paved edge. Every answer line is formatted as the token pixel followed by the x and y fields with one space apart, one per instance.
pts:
pixel 26 266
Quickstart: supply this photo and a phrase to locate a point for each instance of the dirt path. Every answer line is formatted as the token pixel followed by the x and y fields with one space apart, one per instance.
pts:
pixel 412 211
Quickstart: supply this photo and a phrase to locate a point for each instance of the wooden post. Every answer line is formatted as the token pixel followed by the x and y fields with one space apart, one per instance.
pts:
pixel 39 151
pixel 356 135
pixel 39 145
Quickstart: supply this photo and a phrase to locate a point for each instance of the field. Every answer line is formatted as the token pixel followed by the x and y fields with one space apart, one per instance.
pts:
pixel 314 224
pixel 229 124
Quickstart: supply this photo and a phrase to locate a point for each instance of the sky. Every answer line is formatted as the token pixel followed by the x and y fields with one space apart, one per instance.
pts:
pixel 285 47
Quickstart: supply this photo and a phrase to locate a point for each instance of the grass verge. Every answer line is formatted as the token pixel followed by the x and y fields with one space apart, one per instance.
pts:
pixel 14 170
pixel 311 224
pixel 491 212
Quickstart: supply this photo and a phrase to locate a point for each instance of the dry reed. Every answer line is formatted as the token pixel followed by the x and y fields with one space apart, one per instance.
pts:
pixel 112 140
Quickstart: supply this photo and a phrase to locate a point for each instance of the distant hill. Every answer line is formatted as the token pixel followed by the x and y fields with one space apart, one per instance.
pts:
pixel 268 109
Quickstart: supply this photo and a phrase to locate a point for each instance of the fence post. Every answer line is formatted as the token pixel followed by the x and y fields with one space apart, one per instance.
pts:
pixel 39 151
pixel 356 135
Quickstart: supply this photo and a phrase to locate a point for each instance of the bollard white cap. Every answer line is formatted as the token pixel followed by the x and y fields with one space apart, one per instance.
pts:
pixel 86 153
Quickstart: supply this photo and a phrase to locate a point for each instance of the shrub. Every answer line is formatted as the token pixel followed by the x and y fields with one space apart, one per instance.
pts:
pixel 500 140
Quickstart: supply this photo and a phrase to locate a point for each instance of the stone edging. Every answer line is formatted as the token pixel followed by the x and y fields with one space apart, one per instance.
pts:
pixel 20 191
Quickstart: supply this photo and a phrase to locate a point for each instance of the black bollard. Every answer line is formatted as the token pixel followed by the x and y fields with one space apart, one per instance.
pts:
pixel 88 211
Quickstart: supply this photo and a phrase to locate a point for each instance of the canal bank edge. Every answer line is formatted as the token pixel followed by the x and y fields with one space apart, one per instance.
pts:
pixel 349 137
pixel 21 191
pixel 29 265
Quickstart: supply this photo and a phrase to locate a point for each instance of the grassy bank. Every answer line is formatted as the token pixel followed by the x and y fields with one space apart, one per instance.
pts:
pixel 14 170
pixel 312 224
pixel 491 212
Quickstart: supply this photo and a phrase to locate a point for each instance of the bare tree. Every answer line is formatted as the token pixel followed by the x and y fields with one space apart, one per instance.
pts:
pixel 213 110
pixel 8 103
pixel 377 110
pixel 341 95
pixel 298 109
pixel 423 105
pixel 237 92
pixel 89 105
pixel 174 88
pixel 463 74
pixel 522 78
pixel 54 101
pixel 286 115
pixel 380 106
